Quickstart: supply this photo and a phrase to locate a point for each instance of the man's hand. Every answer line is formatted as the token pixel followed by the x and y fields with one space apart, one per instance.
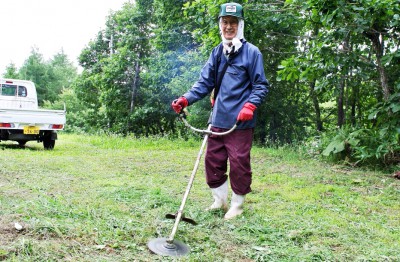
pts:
pixel 246 113
pixel 179 104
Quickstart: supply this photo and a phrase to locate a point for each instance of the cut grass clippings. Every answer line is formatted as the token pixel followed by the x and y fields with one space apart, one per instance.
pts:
pixel 102 198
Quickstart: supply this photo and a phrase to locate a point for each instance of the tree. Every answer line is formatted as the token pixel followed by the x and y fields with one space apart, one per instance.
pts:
pixel 50 77
pixel 62 73
pixel 352 41
pixel 35 69
pixel 112 64
pixel 11 71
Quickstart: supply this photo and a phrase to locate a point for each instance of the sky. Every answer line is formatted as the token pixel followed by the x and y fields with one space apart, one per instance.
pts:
pixel 50 26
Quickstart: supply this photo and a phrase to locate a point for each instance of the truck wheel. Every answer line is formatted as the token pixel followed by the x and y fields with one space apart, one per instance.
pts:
pixel 48 143
pixel 21 143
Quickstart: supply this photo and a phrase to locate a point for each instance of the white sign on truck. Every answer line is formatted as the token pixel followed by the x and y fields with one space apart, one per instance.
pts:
pixel 21 120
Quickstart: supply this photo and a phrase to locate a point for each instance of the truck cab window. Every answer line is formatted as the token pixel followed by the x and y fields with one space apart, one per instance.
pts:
pixel 8 90
pixel 22 91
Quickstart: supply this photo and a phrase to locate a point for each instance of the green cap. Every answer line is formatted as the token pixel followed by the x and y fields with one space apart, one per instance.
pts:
pixel 231 9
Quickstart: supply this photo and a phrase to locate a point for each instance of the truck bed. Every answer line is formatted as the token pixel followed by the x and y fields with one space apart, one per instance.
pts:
pixel 42 118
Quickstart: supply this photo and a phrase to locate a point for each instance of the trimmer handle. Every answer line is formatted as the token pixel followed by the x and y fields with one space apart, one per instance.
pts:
pixel 184 113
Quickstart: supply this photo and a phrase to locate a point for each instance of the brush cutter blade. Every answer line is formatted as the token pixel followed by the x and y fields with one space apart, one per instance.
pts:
pixel 183 218
pixel 161 247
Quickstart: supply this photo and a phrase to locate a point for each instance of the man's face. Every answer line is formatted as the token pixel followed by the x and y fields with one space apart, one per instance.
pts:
pixel 229 25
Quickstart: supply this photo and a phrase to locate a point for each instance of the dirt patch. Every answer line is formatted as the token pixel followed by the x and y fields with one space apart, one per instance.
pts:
pixel 8 229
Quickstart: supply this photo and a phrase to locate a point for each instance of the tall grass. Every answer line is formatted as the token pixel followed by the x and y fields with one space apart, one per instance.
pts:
pixel 102 198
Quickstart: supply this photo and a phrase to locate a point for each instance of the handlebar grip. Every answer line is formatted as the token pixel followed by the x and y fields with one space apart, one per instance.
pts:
pixel 184 113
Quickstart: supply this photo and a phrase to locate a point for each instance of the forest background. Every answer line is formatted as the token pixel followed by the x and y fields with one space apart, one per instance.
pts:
pixel 333 66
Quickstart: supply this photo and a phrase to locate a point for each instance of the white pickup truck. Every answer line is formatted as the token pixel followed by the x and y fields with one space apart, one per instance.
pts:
pixel 20 118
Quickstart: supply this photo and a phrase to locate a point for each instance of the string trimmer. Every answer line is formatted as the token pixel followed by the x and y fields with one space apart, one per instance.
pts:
pixel 170 246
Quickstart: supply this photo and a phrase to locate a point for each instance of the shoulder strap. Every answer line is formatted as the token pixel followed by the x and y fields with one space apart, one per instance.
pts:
pixel 218 78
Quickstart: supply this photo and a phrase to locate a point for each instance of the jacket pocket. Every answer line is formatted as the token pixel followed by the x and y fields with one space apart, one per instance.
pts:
pixel 231 70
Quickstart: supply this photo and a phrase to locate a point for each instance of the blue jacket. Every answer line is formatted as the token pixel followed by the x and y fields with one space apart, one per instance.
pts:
pixel 244 81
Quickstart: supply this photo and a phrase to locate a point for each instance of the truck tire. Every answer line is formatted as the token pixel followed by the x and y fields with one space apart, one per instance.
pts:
pixel 21 143
pixel 49 139
pixel 48 143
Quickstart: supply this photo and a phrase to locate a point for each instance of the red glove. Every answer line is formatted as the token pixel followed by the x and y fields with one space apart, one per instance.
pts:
pixel 179 104
pixel 247 112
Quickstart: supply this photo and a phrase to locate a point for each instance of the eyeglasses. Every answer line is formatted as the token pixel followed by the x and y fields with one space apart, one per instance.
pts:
pixel 233 23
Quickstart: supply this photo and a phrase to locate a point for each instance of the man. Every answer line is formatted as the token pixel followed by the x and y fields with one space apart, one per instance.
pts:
pixel 243 87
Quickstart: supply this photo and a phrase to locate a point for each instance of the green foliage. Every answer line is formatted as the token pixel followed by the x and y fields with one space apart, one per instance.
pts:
pixel 50 77
pixel 61 74
pixel 11 72
pixel 112 64
pixel 203 22
pixel 349 47
pixel 78 116
pixel 366 146
pixel 378 143
pixel 343 141
pixel 35 69
pixel 172 31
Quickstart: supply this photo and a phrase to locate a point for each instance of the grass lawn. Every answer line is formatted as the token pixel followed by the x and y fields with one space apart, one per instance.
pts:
pixel 99 198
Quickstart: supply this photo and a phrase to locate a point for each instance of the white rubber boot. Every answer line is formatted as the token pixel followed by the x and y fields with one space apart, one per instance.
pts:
pixel 236 206
pixel 220 195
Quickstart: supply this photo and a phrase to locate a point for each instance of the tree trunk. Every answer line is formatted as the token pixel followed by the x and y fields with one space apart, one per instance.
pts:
pixel 135 84
pixel 341 117
pixel 378 45
pixel 273 126
pixel 262 124
pixel 313 95
pixel 355 90
pixel 134 91
pixel 340 106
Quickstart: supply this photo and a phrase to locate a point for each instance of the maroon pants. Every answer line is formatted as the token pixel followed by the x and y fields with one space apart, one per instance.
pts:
pixel 236 147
